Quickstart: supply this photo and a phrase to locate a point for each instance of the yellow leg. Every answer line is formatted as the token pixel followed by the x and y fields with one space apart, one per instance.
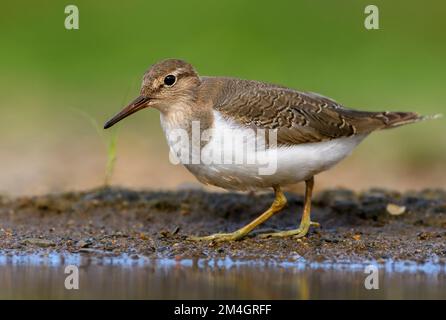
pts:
pixel 278 204
pixel 305 223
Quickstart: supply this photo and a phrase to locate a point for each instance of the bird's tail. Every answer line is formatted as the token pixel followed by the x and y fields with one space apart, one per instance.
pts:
pixel 396 119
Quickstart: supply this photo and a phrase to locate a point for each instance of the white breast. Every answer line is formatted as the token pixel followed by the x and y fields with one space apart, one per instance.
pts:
pixel 235 157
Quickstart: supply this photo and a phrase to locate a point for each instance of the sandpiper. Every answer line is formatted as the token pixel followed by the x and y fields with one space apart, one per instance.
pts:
pixel 312 132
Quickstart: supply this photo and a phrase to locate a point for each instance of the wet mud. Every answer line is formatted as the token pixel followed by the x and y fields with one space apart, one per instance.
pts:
pixel 376 225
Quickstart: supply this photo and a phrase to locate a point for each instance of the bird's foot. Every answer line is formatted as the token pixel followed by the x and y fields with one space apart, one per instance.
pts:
pixel 219 237
pixel 295 233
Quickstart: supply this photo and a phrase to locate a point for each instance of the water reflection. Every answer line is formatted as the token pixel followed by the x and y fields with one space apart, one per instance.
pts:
pixel 42 276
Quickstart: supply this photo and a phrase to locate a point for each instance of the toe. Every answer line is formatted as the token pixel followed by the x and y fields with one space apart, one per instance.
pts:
pixel 280 234
pixel 218 237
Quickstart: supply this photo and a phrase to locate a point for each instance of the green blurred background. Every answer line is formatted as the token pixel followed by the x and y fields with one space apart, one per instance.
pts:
pixel 48 73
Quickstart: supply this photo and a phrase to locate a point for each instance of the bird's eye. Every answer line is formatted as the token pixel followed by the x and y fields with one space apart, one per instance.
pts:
pixel 170 80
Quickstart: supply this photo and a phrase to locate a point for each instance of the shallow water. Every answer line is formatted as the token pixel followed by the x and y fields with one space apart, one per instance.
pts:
pixel 42 276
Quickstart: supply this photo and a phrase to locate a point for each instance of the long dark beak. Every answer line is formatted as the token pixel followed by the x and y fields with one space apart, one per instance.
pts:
pixel 136 105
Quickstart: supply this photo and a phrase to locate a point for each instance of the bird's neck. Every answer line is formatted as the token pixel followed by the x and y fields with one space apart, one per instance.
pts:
pixel 182 115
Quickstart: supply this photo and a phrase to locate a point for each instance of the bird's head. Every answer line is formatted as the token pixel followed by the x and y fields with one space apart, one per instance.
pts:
pixel 166 83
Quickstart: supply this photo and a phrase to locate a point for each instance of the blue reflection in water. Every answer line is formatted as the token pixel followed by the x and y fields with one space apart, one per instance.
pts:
pixel 56 259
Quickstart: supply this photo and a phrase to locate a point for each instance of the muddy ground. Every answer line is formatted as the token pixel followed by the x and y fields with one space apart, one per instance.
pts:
pixel 355 227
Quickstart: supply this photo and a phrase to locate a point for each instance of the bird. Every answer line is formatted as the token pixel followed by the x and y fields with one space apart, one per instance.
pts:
pixel 307 134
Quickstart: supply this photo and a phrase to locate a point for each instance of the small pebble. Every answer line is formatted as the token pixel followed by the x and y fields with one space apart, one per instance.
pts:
pixel 395 210
pixel 43 243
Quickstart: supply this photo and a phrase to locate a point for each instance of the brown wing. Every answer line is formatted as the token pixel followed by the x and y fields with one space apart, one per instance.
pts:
pixel 299 117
